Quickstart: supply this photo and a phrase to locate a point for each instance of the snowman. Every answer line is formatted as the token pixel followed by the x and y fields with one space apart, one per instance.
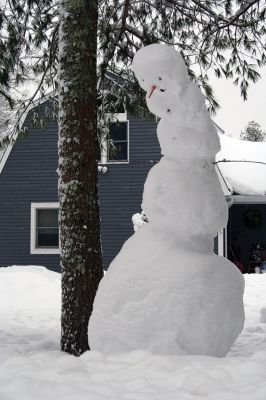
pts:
pixel 166 291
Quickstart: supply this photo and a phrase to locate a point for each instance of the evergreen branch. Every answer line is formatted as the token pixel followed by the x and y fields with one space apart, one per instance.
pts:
pixel 8 98
pixel 31 99
pixel 236 16
pixel 111 53
pixel 242 10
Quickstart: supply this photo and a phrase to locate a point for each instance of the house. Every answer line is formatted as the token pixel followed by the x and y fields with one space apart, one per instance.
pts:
pixel 243 179
pixel 28 189
pixel 29 200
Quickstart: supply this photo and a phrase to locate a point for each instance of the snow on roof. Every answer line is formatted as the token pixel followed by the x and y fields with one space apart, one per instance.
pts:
pixel 245 171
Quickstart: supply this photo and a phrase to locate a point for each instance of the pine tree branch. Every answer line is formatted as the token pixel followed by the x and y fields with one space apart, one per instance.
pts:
pixel 8 98
pixel 49 63
pixel 110 54
pixel 236 16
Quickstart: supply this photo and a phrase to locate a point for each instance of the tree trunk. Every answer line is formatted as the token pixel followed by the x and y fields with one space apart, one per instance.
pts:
pixel 81 258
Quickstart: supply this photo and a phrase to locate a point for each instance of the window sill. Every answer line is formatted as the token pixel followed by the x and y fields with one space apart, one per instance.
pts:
pixel 44 251
pixel 113 162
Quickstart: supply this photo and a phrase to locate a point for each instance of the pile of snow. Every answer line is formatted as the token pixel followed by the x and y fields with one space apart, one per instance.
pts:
pixel 246 178
pixel 30 306
pixel 33 368
pixel 166 291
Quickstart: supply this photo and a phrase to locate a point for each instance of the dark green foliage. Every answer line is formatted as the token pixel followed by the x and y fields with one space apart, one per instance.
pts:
pixel 226 36
pixel 253 132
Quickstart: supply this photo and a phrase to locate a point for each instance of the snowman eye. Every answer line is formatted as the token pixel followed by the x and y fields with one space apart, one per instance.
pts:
pixel 160 78
pixel 142 80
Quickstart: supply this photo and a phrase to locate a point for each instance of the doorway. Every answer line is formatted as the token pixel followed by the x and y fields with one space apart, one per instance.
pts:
pixel 246 236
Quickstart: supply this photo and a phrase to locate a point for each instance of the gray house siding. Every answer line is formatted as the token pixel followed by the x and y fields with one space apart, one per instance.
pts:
pixel 29 175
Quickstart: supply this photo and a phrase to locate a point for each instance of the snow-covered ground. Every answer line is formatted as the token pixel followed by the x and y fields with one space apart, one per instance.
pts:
pixel 33 368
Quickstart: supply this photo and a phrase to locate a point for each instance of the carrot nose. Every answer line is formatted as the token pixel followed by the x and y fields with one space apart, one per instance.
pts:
pixel 152 90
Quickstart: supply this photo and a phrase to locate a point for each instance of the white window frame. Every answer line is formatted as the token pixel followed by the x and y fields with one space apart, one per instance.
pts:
pixel 33 220
pixel 118 117
pixel 222 242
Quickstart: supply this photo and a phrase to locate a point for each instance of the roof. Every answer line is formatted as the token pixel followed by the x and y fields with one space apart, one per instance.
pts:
pixel 242 166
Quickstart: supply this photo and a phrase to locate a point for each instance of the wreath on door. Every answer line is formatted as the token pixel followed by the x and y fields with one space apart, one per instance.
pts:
pixel 253 218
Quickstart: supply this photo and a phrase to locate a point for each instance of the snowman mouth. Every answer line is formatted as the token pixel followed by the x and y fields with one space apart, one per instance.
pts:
pixel 152 90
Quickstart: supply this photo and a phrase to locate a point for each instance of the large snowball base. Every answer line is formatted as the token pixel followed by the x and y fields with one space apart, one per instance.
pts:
pixel 167 300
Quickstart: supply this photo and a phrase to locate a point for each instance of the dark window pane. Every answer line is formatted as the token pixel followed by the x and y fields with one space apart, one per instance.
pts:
pixel 47 218
pixel 118 151
pixel 118 130
pixel 47 237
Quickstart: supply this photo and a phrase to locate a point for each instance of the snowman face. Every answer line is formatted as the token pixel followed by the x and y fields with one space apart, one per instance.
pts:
pixel 162 100
pixel 161 72
pixel 162 93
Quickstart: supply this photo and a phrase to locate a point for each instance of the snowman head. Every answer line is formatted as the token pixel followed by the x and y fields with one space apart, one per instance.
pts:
pixel 162 73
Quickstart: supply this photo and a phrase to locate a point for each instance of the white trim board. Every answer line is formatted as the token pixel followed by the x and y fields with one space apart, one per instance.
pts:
pixel 220 238
pixel 10 145
pixel 245 199
pixel 33 248
pixel 227 189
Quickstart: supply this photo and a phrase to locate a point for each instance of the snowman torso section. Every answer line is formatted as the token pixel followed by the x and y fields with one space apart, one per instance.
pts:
pixel 186 200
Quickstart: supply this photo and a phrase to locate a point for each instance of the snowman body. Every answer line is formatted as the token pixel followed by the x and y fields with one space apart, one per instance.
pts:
pixel 166 291
pixel 200 211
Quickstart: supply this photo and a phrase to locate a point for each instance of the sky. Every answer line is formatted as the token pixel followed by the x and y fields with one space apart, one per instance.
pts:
pixel 235 113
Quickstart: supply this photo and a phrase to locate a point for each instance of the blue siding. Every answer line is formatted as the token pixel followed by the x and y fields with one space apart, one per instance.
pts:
pixel 30 176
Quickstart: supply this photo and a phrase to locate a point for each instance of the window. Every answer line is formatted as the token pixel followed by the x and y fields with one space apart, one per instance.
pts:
pixel 118 142
pixel 44 228
pixel 115 148
pixel 47 228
